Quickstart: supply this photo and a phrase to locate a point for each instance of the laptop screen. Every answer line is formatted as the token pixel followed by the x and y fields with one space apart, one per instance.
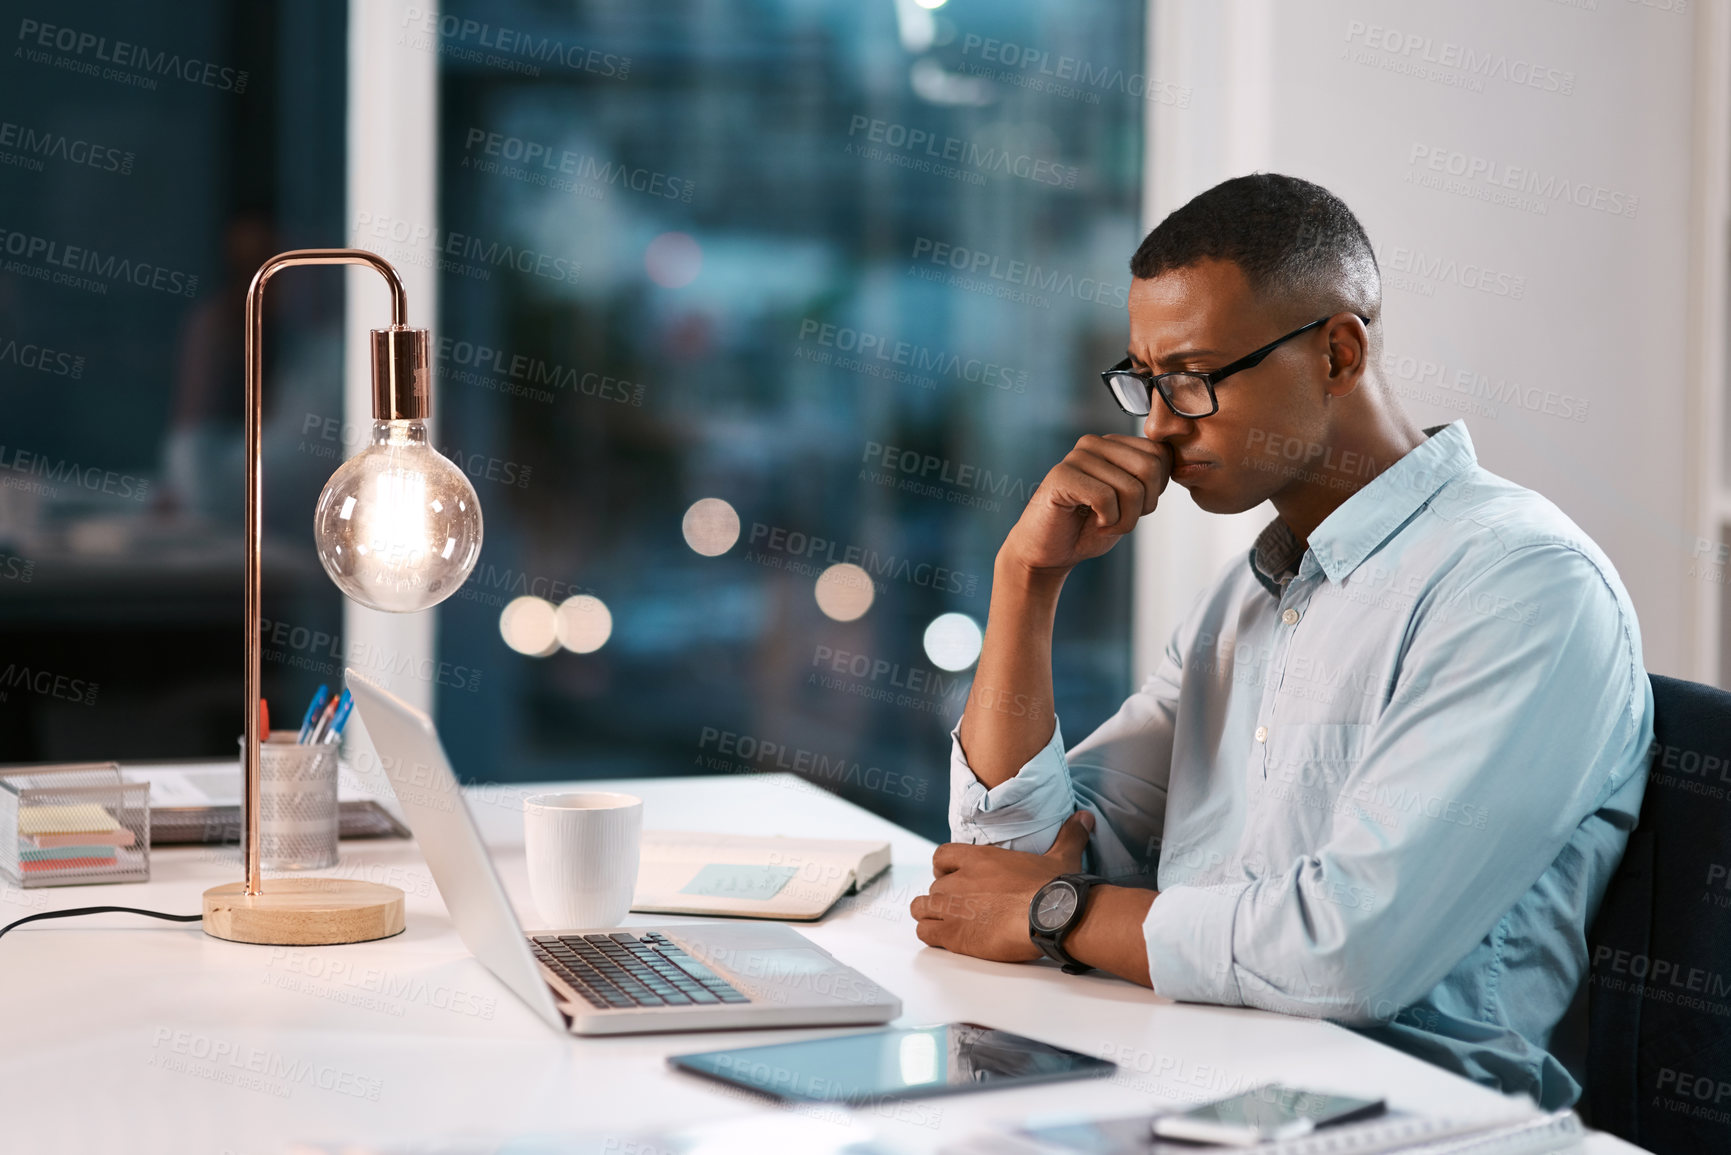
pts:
pixel 414 763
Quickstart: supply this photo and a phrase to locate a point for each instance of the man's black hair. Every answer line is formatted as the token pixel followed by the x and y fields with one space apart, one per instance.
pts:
pixel 1293 240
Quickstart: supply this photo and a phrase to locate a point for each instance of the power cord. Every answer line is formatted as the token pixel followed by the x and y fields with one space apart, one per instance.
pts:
pixel 102 910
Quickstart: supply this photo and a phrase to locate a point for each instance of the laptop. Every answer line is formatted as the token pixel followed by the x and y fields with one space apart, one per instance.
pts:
pixel 693 976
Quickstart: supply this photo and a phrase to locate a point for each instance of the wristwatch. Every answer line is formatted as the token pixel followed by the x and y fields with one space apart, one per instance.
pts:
pixel 1057 908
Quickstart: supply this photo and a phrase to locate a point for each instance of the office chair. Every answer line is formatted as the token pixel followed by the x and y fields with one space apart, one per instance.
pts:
pixel 1658 1068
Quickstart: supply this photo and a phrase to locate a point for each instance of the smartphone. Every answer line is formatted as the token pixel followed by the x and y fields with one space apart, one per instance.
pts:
pixel 1264 1114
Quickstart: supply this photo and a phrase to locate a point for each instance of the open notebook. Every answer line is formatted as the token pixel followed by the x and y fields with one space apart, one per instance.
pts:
pixel 796 879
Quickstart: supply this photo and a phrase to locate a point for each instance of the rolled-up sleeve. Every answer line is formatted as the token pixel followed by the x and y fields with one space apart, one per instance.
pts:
pixel 1023 813
pixel 1120 772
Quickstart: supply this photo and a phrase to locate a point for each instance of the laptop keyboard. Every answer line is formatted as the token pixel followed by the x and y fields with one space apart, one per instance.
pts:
pixel 621 970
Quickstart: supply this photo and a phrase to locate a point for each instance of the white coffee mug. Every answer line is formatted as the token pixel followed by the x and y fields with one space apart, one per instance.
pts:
pixel 582 850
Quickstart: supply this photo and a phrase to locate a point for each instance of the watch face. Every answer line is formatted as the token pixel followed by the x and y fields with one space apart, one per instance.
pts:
pixel 1055 906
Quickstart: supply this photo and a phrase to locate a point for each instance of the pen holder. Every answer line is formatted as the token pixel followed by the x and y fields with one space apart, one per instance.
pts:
pixel 297 803
pixel 75 823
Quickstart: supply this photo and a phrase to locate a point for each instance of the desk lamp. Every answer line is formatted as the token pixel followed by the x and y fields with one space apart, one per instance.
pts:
pixel 398 528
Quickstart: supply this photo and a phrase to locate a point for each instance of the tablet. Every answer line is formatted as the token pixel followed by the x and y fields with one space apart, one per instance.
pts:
pixel 893 1064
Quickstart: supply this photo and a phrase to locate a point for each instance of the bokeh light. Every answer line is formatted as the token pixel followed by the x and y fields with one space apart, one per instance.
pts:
pixel 673 260
pixel 711 526
pixel 844 591
pixel 953 641
pixel 528 626
pixel 583 624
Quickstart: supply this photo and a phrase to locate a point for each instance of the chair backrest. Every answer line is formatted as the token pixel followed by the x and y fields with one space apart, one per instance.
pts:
pixel 1659 984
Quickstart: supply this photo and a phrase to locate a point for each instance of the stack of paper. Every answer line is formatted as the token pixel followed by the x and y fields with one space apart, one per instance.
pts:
pixel 68 838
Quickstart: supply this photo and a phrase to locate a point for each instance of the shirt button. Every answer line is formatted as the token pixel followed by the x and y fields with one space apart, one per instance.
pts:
pixel 1290 617
pixel 1262 733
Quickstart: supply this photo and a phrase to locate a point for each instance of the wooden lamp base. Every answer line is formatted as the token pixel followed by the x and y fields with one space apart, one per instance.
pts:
pixel 304 912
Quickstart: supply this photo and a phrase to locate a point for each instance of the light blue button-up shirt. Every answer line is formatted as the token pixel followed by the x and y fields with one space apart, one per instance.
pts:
pixel 1383 780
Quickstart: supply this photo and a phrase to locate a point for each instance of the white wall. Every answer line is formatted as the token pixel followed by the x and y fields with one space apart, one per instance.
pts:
pixel 392 181
pixel 1621 312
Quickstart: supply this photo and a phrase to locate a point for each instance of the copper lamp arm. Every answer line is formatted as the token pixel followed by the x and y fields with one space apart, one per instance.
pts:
pixel 254 502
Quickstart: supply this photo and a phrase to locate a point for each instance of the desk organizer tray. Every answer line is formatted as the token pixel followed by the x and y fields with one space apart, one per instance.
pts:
pixel 70 824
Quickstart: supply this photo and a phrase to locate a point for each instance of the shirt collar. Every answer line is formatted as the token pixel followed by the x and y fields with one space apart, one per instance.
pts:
pixel 1365 520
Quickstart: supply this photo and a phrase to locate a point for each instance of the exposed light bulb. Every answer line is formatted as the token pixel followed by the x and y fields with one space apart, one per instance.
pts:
pixel 398 527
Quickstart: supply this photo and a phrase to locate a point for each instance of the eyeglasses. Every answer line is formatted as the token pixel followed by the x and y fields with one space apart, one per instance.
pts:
pixel 1187 393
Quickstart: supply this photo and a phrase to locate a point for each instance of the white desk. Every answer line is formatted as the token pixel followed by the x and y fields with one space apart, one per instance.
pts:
pixel 125 1034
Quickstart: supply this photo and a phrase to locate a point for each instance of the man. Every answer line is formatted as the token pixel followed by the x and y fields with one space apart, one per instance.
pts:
pixel 1388 762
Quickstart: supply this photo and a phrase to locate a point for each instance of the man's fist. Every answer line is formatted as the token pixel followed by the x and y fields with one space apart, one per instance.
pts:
pixel 1089 500
pixel 979 899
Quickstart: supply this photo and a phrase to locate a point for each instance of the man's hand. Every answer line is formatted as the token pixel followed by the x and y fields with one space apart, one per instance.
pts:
pixel 1089 500
pixel 979 899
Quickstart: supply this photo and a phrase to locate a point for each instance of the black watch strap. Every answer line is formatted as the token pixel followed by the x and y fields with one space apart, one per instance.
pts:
pixel 1051 942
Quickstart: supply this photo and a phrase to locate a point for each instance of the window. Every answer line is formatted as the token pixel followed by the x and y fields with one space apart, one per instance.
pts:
pixel 154 155
pixel 758 326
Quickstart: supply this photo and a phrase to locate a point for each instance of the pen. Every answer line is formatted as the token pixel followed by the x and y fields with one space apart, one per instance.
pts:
pixel 340 718
pixel 324 719
pixel 312 714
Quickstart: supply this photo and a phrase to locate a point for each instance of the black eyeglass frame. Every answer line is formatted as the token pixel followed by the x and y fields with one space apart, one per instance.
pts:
pixel 1155 383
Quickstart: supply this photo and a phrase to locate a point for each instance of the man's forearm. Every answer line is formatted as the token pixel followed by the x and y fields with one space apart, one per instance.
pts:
pixel 1109 937
pixel 1010 714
